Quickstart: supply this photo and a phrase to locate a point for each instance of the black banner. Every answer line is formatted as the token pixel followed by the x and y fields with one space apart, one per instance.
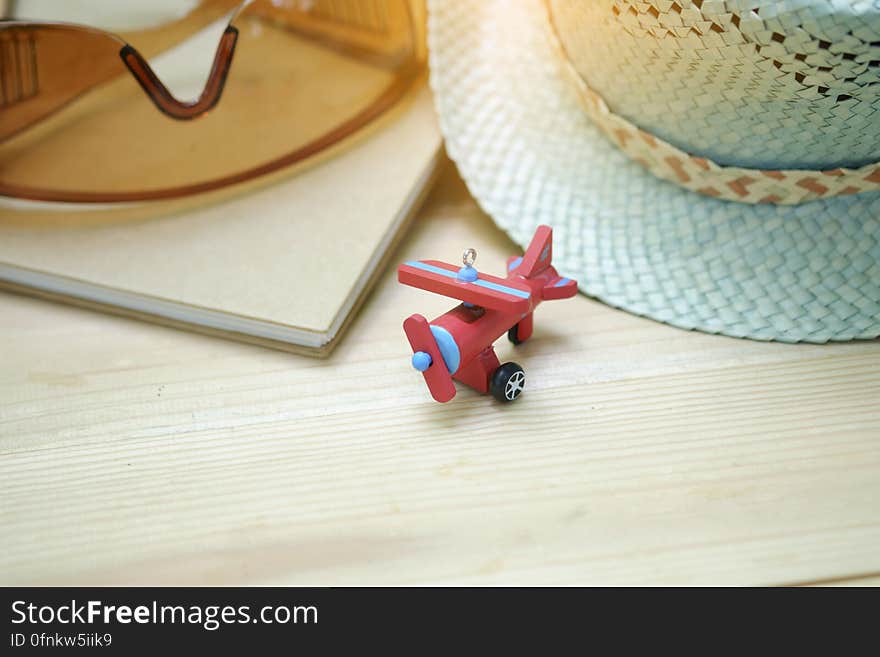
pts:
pixel 153 619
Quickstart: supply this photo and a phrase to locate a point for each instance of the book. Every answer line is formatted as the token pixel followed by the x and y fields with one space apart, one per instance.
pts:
pixel 284 265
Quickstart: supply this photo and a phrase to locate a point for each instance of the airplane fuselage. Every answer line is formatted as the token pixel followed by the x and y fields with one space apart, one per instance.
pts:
pixel 474 329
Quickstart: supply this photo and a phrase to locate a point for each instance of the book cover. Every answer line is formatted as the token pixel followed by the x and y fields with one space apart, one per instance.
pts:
pixel 284 265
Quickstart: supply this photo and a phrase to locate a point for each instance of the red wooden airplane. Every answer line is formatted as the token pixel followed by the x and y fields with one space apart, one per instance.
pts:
pixel 458 345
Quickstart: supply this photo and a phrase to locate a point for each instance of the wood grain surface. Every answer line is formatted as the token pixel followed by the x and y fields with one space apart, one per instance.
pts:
pixel 639 454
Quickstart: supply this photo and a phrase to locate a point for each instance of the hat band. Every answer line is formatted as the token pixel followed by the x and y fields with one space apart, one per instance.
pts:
pixel 699 174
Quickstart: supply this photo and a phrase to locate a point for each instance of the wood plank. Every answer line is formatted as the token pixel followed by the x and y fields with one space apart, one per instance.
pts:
pixel 639 453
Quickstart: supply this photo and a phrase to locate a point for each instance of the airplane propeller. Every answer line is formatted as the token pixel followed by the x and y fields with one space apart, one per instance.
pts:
pixel 427 358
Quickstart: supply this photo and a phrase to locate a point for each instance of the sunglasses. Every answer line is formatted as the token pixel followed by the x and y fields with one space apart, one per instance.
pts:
pixel 84 117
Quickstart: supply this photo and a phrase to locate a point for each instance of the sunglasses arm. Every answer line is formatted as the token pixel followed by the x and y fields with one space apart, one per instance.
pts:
pixel 164 100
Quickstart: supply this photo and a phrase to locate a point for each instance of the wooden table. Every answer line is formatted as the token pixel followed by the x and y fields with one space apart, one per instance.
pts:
pixel 639 454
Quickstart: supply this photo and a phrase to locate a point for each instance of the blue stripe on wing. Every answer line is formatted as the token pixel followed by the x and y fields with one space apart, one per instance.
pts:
pixel 502 288
pixel 424 266
pixel 451 274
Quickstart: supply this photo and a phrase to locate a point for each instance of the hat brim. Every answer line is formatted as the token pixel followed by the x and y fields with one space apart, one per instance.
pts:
pixel 529 155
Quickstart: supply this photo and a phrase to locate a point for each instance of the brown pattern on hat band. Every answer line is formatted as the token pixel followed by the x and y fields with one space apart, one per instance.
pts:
pixel 699 174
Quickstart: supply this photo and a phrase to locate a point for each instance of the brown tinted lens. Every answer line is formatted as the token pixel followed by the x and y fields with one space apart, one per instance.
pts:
pixel 44 68
pixel 299 81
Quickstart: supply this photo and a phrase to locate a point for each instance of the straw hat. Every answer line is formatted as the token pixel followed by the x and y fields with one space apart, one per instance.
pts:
pixel 713 164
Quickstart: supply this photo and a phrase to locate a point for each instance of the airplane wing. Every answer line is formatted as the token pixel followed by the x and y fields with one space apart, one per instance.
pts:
pixel 487 291
pixel 559 287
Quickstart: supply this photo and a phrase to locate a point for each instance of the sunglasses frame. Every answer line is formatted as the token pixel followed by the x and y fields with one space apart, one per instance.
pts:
pixel 165 102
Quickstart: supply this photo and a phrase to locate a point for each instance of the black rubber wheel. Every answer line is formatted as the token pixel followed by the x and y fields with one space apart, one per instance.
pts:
pixel 513 335
pixel 508 382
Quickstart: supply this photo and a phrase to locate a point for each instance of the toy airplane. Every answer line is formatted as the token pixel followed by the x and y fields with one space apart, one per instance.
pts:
pixel 458 345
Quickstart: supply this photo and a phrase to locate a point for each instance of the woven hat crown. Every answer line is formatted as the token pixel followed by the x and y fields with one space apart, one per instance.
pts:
pixel 765 84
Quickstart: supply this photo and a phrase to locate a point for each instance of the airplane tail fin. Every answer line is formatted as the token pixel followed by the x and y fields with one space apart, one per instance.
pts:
pixel 536 262
pixel 539 254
